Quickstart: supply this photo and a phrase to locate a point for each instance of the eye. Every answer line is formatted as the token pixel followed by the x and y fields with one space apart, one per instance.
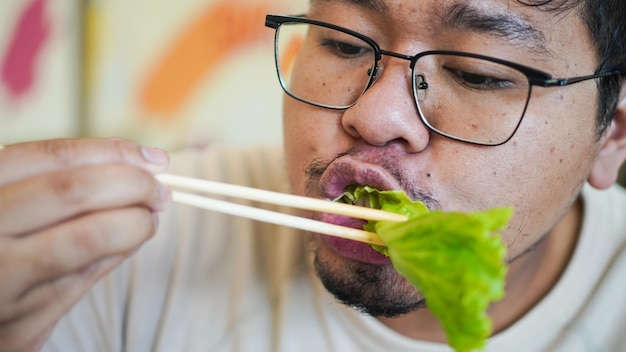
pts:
pixel 481 81
pixel 346 50
pixel 473 78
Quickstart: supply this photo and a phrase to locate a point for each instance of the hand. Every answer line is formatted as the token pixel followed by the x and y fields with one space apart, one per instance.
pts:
pixel 70 211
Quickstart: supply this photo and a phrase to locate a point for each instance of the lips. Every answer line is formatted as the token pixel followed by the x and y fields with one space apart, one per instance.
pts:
pixel 354 250
pixel 347 171
pixel 343 172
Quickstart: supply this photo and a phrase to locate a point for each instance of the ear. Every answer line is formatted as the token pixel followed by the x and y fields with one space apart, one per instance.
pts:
pixel 613 148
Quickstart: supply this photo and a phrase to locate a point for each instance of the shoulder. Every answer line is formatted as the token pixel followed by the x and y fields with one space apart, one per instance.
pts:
pixel 595 275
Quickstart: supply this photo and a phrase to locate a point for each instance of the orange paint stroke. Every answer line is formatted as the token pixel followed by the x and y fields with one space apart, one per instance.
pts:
pixel 197 52
pixel 92 23
pixel 289 56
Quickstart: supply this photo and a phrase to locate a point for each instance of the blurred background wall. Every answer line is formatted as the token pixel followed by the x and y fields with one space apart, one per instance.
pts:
pixel 167 73
pixel 160 72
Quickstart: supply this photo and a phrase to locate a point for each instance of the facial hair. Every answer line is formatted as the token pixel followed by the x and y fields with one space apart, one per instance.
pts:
pixel 377 290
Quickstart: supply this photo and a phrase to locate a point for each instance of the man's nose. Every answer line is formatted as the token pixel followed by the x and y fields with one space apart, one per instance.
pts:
pixel 387 111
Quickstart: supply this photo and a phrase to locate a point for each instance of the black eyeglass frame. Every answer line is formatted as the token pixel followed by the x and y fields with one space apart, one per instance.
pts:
pixel 535 77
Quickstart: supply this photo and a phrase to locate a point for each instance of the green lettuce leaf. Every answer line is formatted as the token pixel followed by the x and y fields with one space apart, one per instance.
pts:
pixel 455 259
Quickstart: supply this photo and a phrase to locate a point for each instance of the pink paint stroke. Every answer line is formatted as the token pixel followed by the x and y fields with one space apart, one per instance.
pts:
pixel 31 32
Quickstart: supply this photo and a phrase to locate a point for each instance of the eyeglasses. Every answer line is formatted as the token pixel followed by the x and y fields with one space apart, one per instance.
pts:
pixel 463 96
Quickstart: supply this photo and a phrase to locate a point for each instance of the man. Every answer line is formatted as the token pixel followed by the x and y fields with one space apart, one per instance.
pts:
pixel 447 100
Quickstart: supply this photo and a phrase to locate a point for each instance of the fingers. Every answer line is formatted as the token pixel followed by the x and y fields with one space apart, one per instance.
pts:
pixel 26 159
pixel 41 308
pixel 65 205
pixel 78 243
pixel 51 270
pixel 45 200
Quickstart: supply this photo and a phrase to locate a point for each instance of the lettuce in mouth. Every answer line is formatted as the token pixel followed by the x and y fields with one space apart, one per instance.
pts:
pixel 455 259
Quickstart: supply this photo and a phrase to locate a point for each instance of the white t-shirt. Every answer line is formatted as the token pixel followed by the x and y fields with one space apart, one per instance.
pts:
pixel 212 282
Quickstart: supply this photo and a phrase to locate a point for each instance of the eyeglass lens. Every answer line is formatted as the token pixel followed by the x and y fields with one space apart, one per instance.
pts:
pixel 466 98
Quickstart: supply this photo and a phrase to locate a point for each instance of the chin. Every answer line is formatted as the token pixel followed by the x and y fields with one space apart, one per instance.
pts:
pixel 377 290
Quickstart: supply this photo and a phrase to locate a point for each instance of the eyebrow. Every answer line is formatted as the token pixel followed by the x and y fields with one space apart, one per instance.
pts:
pixel 376 5
pixel 506 25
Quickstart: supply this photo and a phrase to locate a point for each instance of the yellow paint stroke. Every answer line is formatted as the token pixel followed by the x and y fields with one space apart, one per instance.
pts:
pixel 91 24
pixel 198 51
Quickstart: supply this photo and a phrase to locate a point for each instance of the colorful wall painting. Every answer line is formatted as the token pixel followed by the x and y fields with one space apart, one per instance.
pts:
pixel 182 73
pixel 38 69
pixel 160 72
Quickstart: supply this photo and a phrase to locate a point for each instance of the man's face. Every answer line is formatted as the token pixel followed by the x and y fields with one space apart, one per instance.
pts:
pixel 382 142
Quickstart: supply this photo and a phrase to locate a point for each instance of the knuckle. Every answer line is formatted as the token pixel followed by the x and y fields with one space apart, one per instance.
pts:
pixel 66 151
pixel 81 186
pixel 91 238
pixel 63 151
pixel 119 149
pixel 108 233
pixel 123 151
pixel 84 240
pixel 69 186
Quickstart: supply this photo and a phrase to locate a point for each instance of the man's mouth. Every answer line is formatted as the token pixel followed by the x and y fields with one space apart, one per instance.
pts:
pixel 349 197
pixel 350 249
pixel 334 182
pixel 343 173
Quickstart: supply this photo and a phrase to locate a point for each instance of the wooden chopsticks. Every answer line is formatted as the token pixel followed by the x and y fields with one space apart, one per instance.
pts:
pixel 276 198
pixel 318 205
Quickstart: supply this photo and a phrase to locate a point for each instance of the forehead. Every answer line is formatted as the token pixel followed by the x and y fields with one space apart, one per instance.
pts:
pixel 536 29
pixel 383 5
pixel 519 15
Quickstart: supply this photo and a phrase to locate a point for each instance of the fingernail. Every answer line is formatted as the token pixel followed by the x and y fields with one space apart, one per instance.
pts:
pixel 155 156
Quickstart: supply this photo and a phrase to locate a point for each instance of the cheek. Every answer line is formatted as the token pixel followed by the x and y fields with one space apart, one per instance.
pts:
pixel 546 165
pixel 539 172
pixel 297 144
pixel 534 184
pixel 310 134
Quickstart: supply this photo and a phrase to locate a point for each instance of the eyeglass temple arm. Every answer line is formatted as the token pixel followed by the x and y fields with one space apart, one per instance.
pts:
pixel 559 82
